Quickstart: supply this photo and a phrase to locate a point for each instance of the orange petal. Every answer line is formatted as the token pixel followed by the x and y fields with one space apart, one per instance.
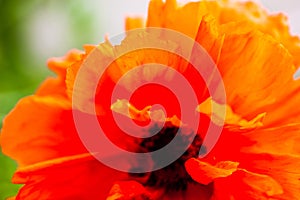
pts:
pixel 72 69
pixel 246 43
pixel 258 18
pixel 233 45
pixel 247 65
pixel 278 112
pixel 133 23
pixel 57 86
pixel 60 64
pixel 96 58
pixel 52 87
pixel 105 53
pixel 282 168
pixel 205 173
pixel 38 129
pixel 139 57
pixel 285 110
pixel 75 177
pixel 209 37
pixel 245 185
pixel 278 140
pixel 184 19
pixel 231 181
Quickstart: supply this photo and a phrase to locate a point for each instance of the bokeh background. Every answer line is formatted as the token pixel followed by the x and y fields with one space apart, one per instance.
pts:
pixel 32 31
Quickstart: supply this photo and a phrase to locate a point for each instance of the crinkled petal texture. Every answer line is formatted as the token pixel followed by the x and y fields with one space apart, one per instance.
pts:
pixel 187 18
pixel 256 157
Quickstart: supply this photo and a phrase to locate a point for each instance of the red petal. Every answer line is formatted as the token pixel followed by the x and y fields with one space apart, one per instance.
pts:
pixel 76 177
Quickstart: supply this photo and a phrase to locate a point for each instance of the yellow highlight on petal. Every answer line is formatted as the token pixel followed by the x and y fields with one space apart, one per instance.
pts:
pixel 232 120
pixel 123 107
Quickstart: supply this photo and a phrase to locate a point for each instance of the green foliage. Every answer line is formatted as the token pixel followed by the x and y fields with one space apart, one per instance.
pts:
pixel 7 168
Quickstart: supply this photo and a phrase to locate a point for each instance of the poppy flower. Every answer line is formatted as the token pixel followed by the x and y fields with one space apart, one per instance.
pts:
pixel 256 156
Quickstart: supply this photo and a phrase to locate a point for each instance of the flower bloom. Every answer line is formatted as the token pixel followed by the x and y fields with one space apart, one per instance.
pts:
pixel 256 157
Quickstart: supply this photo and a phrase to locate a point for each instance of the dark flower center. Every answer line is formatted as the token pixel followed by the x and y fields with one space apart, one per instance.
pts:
pixel 174 176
